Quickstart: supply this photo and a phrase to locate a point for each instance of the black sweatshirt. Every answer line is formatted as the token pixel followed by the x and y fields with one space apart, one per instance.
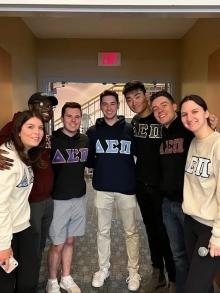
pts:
pixel 68 155
pixel 111 153
pixel 173 153
pixel 148 135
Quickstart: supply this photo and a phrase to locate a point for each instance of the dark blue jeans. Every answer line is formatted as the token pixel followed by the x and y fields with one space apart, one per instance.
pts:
pixel 173 218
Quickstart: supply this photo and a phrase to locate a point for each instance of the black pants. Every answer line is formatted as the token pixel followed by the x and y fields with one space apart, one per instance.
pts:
pixel 41 217
pixel 150 203
pixel 202 269
pixel 23 278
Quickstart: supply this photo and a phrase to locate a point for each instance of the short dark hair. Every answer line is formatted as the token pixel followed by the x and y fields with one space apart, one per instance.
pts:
pixel 34 154
pixel 72 105
pixel 133 85
pixel 109 93
pixel 162 93
pixel 195 98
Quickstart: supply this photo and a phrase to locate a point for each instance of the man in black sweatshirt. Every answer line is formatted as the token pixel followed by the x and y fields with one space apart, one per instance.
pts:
pixel 173 153
pixel 111 155
pixel 148 137
pixel 69 150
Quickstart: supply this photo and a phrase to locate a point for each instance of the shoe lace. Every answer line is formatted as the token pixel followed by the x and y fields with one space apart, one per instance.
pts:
pixel 100 274
pixel 133 277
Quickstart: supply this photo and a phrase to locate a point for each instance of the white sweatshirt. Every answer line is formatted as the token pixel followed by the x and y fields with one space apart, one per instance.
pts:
pixel 15 187
pixel 202 183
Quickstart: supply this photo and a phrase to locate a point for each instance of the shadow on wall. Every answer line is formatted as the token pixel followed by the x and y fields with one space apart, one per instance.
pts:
pixel 6 88
pixel 214 85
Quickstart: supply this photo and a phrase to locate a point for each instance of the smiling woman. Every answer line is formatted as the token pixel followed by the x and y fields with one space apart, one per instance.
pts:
pixel 24 147
pixel 201 196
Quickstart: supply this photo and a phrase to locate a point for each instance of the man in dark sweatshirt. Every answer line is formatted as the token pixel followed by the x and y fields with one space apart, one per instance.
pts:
pixel 69 150
pixel 40 197
pixel 148 137
pixel 111 155
pixel 173 153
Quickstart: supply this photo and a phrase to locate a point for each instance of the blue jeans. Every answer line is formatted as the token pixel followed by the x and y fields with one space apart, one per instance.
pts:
pixel 173 218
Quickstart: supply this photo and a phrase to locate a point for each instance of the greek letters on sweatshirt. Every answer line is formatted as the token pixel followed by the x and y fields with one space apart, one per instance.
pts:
pixel 43 177
pixel 111 154
pixel 173 153
pixel 202 183
pixel 15 188
pixel 148 135
pixel 68 157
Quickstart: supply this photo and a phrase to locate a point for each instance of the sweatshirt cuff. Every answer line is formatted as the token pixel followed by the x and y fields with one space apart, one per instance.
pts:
pixel 5 244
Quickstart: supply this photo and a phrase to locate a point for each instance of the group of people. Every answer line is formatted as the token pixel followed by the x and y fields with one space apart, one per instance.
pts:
pixel 174 180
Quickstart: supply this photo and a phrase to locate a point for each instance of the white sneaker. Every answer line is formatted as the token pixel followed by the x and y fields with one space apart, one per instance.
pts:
pixel 53 286
pixel 69 285
pixel 133 281
pixel 100 277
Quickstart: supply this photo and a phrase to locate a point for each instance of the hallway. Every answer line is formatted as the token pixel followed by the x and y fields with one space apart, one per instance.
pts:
pixel 85 257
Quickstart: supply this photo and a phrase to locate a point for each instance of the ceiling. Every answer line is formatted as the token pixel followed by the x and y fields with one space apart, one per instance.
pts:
pixel 51 21
pixel 109 26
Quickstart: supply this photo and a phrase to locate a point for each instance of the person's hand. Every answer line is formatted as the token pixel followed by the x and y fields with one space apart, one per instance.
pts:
pixel 213 121
pixel 5 163
pixel 4 257
pixel 214 250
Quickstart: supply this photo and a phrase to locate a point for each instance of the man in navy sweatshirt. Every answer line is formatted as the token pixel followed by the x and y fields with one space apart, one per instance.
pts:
pixel 111 155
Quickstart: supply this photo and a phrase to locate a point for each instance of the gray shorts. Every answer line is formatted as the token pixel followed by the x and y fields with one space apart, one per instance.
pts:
pixel 69 219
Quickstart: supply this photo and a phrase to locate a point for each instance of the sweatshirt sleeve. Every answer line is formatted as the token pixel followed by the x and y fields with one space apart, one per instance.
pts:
pixel 91 153
pixel 8 179
pixel 215 239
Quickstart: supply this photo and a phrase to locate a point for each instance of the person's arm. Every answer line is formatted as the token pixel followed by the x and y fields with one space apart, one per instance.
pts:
pixel 214 244
pixel 5 162
pixel 8 180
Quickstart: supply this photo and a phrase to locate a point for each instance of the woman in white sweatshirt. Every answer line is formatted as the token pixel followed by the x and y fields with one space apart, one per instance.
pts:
pixel 201 202
pixel 16 239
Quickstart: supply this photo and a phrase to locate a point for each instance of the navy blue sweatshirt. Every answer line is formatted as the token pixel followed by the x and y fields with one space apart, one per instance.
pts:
pixel 68 155
pixel 111 153
pixel 173 153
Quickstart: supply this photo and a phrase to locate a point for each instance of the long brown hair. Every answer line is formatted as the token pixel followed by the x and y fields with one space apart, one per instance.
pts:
pixel 33 156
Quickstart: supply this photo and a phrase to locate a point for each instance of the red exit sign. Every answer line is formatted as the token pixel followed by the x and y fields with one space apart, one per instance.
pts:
pixel 109 59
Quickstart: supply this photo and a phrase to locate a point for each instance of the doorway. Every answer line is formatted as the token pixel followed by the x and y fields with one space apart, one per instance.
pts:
pixel 87 94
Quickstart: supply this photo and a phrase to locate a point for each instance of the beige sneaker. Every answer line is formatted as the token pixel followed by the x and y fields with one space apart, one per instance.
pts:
pixel 133 281
pixel 100 277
